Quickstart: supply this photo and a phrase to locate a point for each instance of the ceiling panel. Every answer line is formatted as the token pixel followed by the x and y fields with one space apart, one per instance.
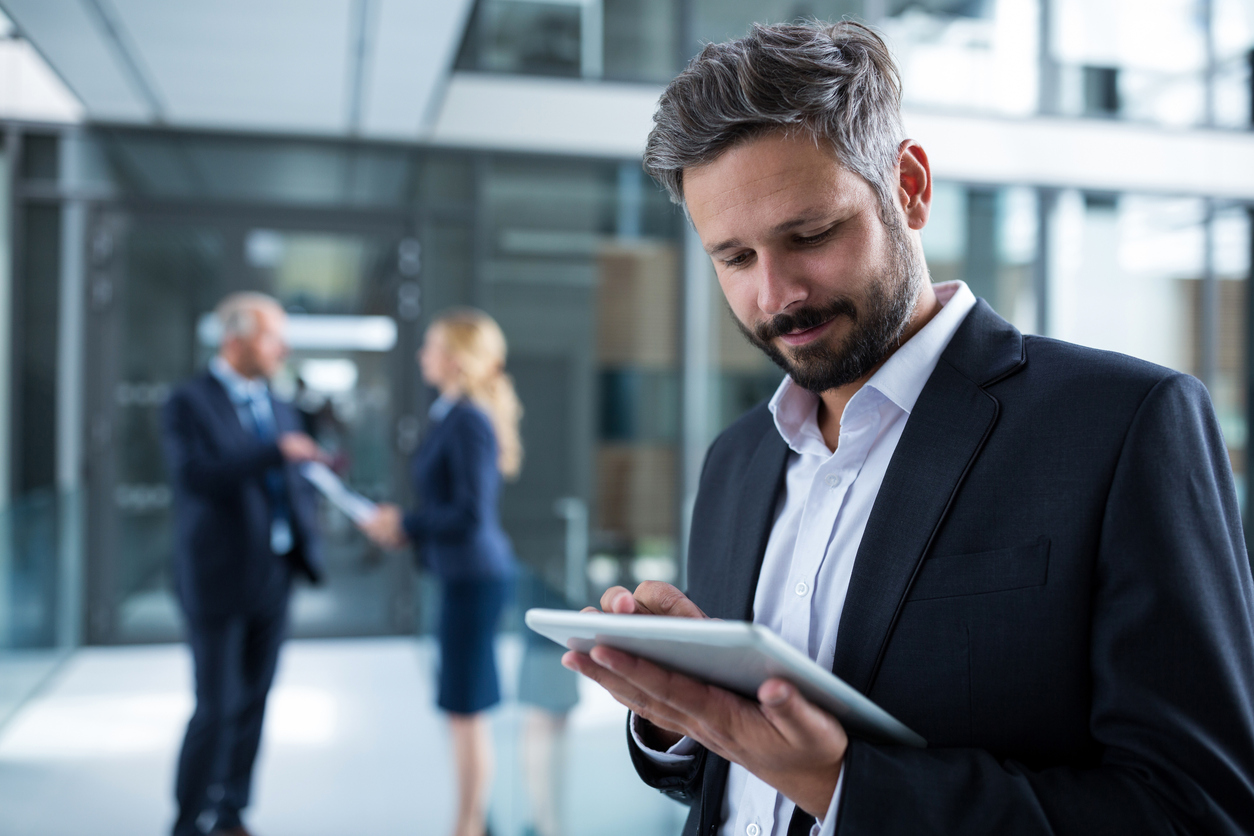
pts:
pixel 246 64
pixel 71 40
pixel 413 46
pixel 366 67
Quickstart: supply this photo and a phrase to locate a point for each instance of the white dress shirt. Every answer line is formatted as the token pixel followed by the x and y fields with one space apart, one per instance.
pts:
pixel 818 527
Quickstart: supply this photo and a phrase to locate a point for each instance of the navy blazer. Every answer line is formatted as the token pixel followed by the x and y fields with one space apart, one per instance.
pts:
pixel 223 563
pixel 456 527
pixel 1052 589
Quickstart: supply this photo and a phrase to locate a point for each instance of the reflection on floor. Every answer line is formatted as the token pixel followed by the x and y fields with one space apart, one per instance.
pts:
pixel 353 745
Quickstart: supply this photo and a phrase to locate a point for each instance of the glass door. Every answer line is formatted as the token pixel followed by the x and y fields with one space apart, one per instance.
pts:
pixel 155 279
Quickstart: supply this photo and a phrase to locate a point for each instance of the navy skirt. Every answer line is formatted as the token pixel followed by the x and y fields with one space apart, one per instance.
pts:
pixel 468 616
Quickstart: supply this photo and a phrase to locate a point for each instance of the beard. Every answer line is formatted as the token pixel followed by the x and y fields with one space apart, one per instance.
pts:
pixel 876 326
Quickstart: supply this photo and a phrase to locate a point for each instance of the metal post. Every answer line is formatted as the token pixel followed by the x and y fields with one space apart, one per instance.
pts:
pixel 1208 361
pixel 695 377
pixel 1050 82
pixel 592 39
pixel 1212 65
pixel 1248 510
pixel 574 511
pixel 1046 203
pixel 70 390
pixel 8 186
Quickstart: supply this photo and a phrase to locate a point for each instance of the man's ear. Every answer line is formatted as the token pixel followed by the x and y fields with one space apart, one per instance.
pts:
pixel 914 183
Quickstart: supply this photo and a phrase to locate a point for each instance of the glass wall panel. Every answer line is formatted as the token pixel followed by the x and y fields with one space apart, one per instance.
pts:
pixel 172 275
pixel 965 55
pixel 986 236
pixel 1162 279
pixel 158 165
pixel 642 40
pixel 579 264
pixel 1232 26
pixel 1132 59
pixel 526 38
pixel 1127 270
pixel 38 515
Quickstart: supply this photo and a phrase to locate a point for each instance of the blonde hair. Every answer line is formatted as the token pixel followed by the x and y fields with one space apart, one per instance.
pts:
pixel 477 346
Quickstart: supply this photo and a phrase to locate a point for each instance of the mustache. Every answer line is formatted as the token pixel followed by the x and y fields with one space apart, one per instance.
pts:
pixel 804 319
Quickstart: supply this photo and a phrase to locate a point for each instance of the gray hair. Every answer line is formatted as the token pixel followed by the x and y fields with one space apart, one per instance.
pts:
pixel 237 313
pixel 836 81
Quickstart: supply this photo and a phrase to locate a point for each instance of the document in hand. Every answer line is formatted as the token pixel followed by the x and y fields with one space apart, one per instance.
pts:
pixel 735 655
pixel 357 507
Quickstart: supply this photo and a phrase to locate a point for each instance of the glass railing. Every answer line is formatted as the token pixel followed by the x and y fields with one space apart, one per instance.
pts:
pixel 40 584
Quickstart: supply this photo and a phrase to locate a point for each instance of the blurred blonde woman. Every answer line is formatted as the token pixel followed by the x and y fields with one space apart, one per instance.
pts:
pixel 472 444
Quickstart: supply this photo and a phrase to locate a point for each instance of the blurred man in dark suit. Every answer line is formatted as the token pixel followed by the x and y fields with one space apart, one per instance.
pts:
pixel 245 524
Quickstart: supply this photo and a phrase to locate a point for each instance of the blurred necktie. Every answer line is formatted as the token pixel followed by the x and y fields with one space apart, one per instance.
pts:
pixel 280 517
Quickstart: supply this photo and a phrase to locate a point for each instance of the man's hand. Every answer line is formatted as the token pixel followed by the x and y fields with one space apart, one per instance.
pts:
pixel 298 447
pixel 650 598
pixel 385 527
pixel 783 739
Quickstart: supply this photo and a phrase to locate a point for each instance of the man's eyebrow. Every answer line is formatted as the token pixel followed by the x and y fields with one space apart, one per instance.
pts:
pixel 786 226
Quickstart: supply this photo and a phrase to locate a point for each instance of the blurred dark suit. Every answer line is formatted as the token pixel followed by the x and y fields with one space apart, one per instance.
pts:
pixel 229 477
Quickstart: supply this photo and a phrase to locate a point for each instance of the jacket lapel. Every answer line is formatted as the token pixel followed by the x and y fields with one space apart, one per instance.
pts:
pixel 946 430
pixel 733 590
pixel 222 406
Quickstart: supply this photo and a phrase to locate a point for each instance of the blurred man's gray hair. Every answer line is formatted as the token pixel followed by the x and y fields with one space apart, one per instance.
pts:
pixel 836 81
pixel 237 313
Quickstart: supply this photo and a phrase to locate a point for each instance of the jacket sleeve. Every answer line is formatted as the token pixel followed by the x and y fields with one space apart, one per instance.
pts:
pixel 199 467
pixel 1171 662
pixel 470 450
pixel 682 783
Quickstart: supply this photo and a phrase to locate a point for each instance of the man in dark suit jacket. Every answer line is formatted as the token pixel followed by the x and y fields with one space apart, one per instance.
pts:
pixel 1046 577
pixel 245 525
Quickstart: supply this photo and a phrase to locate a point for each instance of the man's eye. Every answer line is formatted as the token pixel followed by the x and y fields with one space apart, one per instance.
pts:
pixel 736 260
pixel 814 239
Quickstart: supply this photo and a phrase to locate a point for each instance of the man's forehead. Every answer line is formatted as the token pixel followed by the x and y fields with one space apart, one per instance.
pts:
pixel 270 316
pixel 775 174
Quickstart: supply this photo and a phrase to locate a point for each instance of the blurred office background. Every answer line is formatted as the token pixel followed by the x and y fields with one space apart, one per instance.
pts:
pixel 372 162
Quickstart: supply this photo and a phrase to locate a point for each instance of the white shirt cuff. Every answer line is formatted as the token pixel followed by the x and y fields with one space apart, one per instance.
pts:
pixel 826 826
pixel 681 752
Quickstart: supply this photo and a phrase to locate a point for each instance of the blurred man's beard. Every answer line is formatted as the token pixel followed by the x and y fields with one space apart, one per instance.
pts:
pixel 875 329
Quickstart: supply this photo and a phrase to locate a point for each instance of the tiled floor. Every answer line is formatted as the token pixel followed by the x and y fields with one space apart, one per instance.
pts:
pixel 353 745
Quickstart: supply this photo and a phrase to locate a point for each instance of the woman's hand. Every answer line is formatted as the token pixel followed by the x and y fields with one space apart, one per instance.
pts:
pixel 384 528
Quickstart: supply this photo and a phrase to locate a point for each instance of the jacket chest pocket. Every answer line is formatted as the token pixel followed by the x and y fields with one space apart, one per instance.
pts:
pixel 980 573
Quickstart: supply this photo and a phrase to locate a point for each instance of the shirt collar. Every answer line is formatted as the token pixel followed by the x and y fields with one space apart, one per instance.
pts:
pixel 240 389
pixel 440 409
pixel 900 380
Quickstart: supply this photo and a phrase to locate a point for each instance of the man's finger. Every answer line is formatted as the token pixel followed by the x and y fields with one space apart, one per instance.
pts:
pixel 663 599
pixel 796 719
pixel 626 692
pixel 619 600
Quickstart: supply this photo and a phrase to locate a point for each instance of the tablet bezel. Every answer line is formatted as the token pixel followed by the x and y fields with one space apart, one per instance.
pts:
pixel 677 644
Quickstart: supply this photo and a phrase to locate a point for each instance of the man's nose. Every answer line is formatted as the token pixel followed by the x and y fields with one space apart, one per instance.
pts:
pixel 779 285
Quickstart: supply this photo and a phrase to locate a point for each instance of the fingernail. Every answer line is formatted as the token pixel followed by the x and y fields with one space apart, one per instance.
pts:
pixel 778 695
pixel 603 657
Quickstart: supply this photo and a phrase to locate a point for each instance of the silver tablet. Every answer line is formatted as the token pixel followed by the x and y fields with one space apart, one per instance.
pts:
pixel 735 655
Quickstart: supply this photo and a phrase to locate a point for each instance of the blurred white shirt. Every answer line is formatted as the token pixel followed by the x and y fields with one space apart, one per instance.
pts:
pixel 819 522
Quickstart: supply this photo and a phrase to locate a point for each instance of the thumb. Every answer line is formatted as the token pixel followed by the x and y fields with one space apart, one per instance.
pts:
pixel 797 719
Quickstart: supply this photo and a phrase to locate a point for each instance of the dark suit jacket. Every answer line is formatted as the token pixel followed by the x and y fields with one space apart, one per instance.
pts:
pixel 456 526
pixel 223 563
pixel 1052 589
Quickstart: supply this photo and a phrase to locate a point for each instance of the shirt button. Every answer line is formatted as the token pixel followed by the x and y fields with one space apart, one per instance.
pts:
pixel 832 480
pixel 753 830
pixel 802 588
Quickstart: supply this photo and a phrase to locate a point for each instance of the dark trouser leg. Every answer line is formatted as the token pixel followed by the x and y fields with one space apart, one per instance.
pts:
pixel 215 654
pixel 262 638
